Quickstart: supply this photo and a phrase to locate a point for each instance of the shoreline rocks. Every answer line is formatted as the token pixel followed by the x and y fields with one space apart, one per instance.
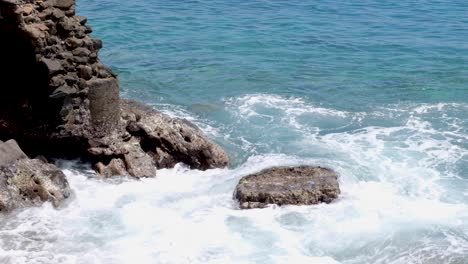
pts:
pixel 10 152
pixel 28 182
pixel 60 101
pixel 154 140
pixel 56 93
pixel 302 185
pixel 171 140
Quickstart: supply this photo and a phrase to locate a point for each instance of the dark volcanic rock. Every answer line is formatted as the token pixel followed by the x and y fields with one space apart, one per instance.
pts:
pixel 302 185
pixel 171 140
pixel 153 140
pixel 52 100
pixel 52 66
pixel 60 101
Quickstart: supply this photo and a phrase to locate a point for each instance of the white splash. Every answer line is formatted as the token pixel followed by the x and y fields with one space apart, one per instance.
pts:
pixel 400 203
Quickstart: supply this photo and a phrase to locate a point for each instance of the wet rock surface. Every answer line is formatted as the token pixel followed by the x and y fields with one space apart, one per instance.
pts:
pixel 303 185
pixel 60 101
pixel 171 140
pixel 154 140
pixel 28 182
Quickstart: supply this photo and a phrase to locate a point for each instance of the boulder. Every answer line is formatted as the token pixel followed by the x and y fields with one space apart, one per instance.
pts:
pixel 26 9
pixel 152 140
pixel 85 72
pixel 64 4
pixel 171 140
pixel 10 152
pixel 139 163
pixel 36 31
pixel 116 167
pixel 52 66
pixel 303 185
pixel 30 182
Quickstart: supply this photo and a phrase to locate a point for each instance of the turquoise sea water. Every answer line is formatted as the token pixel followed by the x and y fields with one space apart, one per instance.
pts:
pixel 377 90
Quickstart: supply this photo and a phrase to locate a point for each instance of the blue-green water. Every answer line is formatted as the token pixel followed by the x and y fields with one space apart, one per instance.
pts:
pixel 377 90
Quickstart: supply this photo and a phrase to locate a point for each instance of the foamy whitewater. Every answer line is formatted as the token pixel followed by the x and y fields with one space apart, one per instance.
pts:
pixel 376 90
pixel 403 199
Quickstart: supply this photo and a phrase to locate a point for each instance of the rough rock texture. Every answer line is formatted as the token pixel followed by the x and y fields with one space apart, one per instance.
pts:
pixel 59 100
pixel 155 140
pixel 28 182
pixel 171 140
pixel 10 152
pixel 287 185
pixel 55 91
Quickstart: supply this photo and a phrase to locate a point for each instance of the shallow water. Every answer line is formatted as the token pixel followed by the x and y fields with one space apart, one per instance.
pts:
pixel 377 90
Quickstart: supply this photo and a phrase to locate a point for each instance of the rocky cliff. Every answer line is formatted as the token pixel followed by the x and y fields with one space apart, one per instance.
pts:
pixel 59 100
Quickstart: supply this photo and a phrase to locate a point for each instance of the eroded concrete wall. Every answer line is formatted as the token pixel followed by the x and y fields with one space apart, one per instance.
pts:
pixel 51 78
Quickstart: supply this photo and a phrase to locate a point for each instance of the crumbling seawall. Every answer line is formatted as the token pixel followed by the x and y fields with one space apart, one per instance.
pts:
pixel 58 100
pixel 53 84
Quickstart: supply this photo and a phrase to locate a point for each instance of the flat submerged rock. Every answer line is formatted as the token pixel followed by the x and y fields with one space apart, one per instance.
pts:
pixel 302 185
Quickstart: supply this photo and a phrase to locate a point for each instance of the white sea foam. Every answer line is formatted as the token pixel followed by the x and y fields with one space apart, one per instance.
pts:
pixel 182 113
pixel 395 206
pixel 273 108
pixel 290 105
pixel 187 216
pixel 425 108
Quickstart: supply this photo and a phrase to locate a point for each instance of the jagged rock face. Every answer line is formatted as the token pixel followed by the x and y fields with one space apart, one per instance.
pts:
pixel 171 140
pixel 302 185
pixel 59 100
pixel 156 140
pixel 28 182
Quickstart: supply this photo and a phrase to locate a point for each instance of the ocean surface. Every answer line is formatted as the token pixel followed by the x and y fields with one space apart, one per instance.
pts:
pixel 375 89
